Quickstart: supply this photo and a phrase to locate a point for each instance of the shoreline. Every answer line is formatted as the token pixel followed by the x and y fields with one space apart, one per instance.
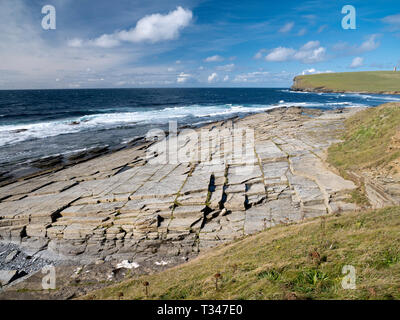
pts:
pixel 53 163
pixel 120 206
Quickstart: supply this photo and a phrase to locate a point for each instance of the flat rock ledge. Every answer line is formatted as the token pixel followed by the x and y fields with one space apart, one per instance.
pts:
pixel 141 205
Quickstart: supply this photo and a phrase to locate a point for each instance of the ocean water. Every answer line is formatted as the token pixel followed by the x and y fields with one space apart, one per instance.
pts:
pixel 39 123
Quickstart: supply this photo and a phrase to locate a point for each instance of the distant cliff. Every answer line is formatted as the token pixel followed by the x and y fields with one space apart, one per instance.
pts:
pixel 387 82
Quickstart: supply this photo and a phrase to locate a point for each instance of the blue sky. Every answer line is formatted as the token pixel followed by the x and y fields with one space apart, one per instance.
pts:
pixel 190 43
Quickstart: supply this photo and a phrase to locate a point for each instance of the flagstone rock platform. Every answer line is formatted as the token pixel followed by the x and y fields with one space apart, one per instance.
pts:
pixel 140 203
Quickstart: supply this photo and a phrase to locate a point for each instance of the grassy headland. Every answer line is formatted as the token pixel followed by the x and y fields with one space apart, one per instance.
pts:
pixel 300 261
pixel 365 82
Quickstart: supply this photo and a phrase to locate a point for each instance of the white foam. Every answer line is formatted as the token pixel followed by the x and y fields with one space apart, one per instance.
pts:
pixel 11 134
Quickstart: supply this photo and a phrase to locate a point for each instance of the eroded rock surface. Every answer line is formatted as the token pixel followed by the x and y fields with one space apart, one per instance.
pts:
pixel 146 203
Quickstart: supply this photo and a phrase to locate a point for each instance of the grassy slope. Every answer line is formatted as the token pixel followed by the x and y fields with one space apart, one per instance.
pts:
pixel 367 139
pixel 371 81
pixel 276 264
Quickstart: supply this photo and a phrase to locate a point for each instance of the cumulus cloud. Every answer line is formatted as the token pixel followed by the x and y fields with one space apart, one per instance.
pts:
pixel 212 77
pixel 151 28
pixel 311 52
pixel 287 27
pixel 215 58
pixel 357 62
pixel 227 67
pixel 226 78
pixel 280 54
pixel 158 27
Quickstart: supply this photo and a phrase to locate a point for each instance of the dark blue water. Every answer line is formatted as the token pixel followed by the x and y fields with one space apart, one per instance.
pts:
pixel 38 123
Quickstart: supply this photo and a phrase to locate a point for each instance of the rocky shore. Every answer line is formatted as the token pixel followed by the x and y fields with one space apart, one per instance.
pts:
pixel 142 206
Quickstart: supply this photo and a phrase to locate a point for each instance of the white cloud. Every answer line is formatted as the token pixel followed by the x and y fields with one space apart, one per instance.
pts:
pixel 105 41
pixel 215 58
pixel 310 45
pixel 357 62
pixel 280 54
pixel 226 78
pixel 314 71
pixel 158 27
pixel 370 44
pixel 213 77
pixel 287 27
pixel 75 43
pixel 309 71
pixel 227 67
pixel 311 52
pixel 151 28
pixel 183 77
pixel 259 54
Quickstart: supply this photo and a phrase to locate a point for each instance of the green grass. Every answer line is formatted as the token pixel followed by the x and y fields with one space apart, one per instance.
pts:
pixel 367 141
pixel 370 81
pixel 278 264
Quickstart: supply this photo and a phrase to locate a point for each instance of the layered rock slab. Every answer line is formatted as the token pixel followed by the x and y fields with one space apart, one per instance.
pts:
pixel 143 203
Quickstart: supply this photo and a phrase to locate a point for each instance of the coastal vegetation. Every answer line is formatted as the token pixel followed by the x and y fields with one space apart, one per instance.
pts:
pixel 300 261
pixel 369 140
pixel 366 82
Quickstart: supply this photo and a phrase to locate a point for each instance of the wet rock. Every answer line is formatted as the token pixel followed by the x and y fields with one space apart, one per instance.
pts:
pixel 47 162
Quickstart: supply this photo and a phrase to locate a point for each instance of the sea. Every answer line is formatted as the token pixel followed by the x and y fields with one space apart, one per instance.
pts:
pixel 41 123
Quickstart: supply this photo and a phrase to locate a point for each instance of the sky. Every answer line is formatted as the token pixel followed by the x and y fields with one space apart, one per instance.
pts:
pixel 191 43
